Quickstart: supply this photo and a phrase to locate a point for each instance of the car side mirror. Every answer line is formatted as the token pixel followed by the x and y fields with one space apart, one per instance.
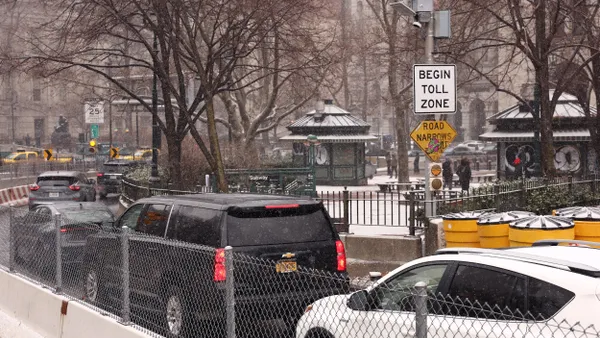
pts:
pixel 359 301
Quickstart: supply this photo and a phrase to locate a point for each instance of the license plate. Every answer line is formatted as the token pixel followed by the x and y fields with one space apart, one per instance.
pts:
pixel 53 194
pixel 112 177
pixel 286 266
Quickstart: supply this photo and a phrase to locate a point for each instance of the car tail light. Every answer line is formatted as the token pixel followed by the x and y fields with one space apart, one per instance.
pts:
pixel 220 274
pixel 282 206
pixel 74 187
pixel 99 174
pixel 341 255
pixel 34 187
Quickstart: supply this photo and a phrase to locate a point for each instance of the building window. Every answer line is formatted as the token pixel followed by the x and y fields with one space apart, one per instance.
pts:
pixel 37 90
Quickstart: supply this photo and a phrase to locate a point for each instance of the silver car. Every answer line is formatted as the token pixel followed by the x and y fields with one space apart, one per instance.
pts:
pixel 62 186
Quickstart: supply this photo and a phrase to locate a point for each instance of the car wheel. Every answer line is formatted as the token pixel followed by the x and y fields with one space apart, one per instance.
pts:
pixel 319 333
pixel 91 287
pixel 102 196
pixel 176 316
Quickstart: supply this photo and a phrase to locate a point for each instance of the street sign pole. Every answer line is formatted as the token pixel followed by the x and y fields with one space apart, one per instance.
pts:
pixel 429 60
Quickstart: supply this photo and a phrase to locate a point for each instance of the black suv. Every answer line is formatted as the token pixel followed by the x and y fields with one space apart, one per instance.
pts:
pixel 276 240
pixel 110 176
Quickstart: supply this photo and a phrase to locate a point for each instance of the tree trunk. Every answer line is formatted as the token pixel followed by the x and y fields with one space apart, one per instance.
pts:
pixel 174 148
pixel 345 53
pixel 214 146
pixel 543 79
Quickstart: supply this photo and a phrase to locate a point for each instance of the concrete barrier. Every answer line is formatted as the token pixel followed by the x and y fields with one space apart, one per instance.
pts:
pixel 379 252
pixel 17 196
pixel 53 315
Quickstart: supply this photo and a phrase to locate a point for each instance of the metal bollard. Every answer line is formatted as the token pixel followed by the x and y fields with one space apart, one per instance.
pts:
pixel 11 238
pixel 58 240
pixel 229 292
pixel 421 310
pixel 126 310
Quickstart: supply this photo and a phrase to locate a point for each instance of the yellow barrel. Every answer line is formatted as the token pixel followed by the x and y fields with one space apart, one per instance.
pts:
pixel 587 222
pixel 493 228
pixel 526 231
pixel 460 229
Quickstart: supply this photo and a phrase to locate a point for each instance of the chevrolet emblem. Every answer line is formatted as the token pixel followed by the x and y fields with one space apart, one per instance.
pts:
pixel 288 255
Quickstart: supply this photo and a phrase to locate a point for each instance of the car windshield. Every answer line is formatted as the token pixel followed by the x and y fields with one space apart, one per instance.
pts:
pixel 13 155
pixel 77 215
pixel 262 226
pixel 56 181
pixel 115 167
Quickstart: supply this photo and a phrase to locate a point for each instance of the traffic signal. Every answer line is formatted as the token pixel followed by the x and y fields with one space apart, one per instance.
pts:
pixel 92 148
pixel 435 177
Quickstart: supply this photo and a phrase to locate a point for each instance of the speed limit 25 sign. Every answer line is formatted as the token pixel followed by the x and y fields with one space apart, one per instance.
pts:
pixel 94 112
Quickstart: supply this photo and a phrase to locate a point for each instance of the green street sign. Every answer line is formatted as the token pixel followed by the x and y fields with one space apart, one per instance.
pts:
pixel 94 131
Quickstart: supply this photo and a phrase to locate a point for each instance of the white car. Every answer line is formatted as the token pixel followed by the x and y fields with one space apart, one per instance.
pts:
pixel 552 291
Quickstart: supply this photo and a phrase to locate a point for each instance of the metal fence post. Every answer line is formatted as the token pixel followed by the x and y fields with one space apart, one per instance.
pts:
pixel 58 272
pixel 412 213
pixel 126 310
pixel 421 310
pixel 497 197
pixel 229 292
pixel 346 209
pixel 11 238
pixel 570 182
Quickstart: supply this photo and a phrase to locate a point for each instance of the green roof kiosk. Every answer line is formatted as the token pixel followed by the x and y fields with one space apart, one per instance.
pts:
pixel 339 155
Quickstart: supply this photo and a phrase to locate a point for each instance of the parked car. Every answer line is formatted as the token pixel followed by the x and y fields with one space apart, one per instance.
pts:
pixel 490 148
pixel 62 186
pixel 462 150
pixel 473 293
pixel 278 237
pixel 21 156
pixel 475 145
pixel 36 233
pixel 111 175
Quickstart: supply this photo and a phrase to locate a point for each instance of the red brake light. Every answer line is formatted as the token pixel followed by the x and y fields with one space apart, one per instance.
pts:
pixel 341 255
pixel 63 230
pixel 220 274
pixel 34 187
pixel 74 187
pixel 282 206
pixel 99 174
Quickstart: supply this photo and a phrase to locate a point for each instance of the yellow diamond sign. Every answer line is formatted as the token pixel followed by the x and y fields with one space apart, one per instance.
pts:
pixel 433 137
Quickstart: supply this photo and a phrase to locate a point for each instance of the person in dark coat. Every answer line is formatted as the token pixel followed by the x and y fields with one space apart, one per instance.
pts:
pixel 394 172
pixel 464 175
pixel 388 162
pixel 447 173
pixel 416 162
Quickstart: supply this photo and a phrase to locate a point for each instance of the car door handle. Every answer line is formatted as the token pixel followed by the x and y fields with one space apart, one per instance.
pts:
pixel 344 319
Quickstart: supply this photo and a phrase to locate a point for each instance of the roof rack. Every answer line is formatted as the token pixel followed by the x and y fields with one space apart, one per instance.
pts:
pixel 556 242
pixel 525 257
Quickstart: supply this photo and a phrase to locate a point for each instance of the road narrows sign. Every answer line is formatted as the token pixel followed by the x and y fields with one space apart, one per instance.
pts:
pixel 433 137
pixel 434 89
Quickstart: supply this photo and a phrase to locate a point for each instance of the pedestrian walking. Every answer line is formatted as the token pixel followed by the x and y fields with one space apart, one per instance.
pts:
pixel 447 173
pixel 416 162
pixel 394 172
pixel 464 175
pixel 388 163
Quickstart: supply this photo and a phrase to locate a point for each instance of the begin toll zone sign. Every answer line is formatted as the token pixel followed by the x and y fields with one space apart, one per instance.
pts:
pixel 433 137
pixel 434 89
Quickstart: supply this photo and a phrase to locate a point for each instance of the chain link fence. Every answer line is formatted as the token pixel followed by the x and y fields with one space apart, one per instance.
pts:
pixel 176 289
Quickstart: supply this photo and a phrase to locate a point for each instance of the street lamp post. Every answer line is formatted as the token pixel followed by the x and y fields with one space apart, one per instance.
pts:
pixel 311 141
pixel 154 178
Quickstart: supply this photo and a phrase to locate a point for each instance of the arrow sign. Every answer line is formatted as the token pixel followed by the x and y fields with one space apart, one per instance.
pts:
pixel 114 152
pixel 48 154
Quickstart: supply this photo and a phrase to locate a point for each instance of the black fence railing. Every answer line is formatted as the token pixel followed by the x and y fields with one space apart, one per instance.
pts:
pixel 409 209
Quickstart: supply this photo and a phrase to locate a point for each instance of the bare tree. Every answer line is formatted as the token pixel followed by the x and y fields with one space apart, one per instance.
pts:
pixel 527 34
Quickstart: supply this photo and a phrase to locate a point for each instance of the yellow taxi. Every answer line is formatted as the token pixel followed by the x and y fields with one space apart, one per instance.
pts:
pixel 143 154
pixel 21 156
